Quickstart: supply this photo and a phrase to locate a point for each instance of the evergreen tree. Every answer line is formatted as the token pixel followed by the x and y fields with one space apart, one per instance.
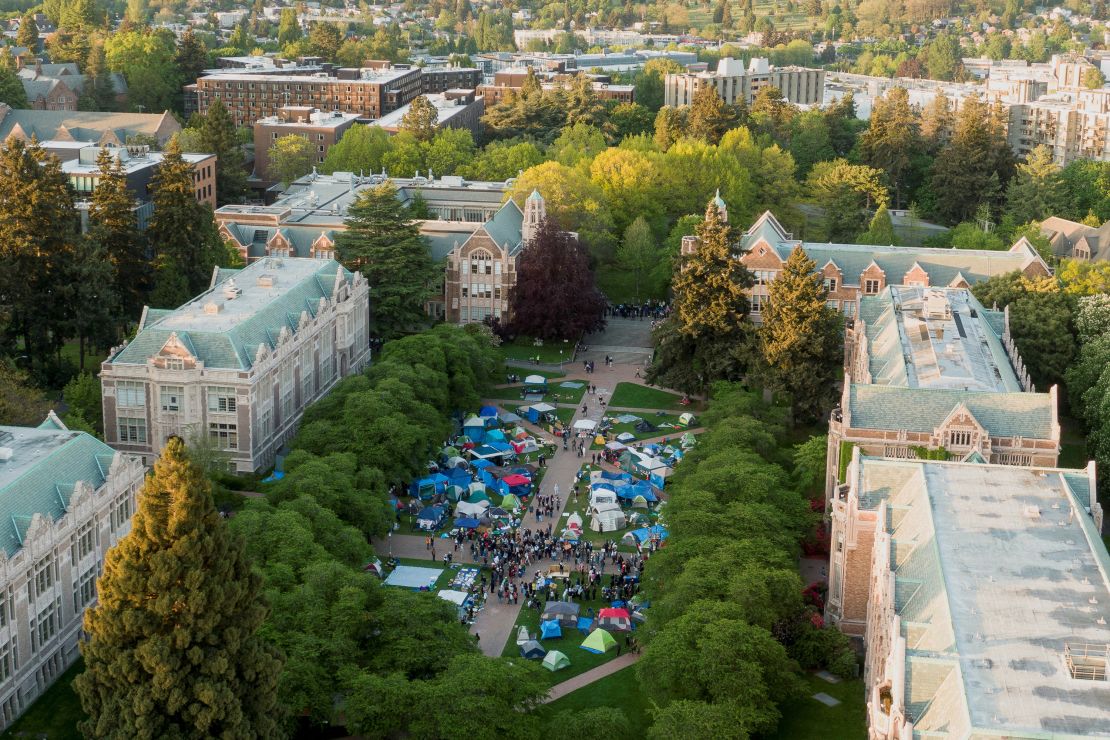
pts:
pixel 974 166
pixel 11 87
pixel 182 232
pixel 114 226
pixel 708 117
pixel 387 247
pixel 638 254
pixel 709 296
pixel 21 403
pixel 582 104
pixel 325 38
pixel 192 57
pixel 289 28
pixel 87 286
pixel 1037 189
pixel 881 229
pixel 217 136
pixel 555 296
pixel 98 93
pixel 891 140
pixel 801 338
pixel 28 34
pixel 173 647
pixel 936 122
pixel 669 126
pixel 420 120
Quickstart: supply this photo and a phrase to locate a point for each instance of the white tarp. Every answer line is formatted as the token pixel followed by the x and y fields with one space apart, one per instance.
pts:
pixel 542 408
pixel 476 511
pixel 603 497
pixel 457 598
pixel 585 425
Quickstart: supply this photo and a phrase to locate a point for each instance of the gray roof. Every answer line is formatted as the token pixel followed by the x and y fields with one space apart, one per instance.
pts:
pixel 1029 415
pixel 231 337
pixel 505 227
pixel 83 125
pixel 39 478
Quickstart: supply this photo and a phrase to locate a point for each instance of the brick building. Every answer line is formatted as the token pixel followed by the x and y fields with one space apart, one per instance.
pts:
pixel 322 129
pixel 442 79
pixel 454 109
pixel 510 80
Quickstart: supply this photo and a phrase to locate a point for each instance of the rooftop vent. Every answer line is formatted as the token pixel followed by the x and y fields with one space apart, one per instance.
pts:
pixel 211 308
pixel 5 454
pixel 231 290
pixel 1032 512
pixel 1087 661
pixel 267 280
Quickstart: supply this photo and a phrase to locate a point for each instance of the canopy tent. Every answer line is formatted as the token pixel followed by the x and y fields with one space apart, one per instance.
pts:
pixel 458 598
pixel 473 510
pixel 543 408
pixel 489 452
pixel 555 661
pixel 508 417
pixel 585 425
pixel 535 380
pixel 532 650
pixel 608 521
pixel 686 420
pixel 510 502
pixel 643 534
pixel 599 642
pixel 617 620
pixel 430 517
pixel 550 629
pixel 516 479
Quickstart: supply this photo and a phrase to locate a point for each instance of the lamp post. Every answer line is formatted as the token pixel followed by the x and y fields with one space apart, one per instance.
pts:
pixel 389 539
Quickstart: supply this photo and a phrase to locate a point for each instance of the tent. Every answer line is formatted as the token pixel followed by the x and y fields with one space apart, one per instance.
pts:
pixel 474 428
pixel 602 496
pixel 476 509
pixel 456 493
pixel 522 636
pixel 639 502
pixel 599 642
pixel 555 661
pixel 616 446
pixel 608 521
pixel 508 417
pixel 450 451
pixel 532 650
pixel 574 521
pixel 623 437
pixel 510 502
pixel 482 464
pixel 688 440
pixel 542 408
pixel 515 480
pixel 644 534
pixel 585 425
pixel 498 513
pixel 456 462
pixel 585 624
pixel 643 425
pixel 476 496
pixel 466 523
pixel 601 506
pixel 617 620
pixel 535 384
pixel 430 518
pixel 561 611
pixel 550 629
pixel 686 420
pixel 495 435
pixel 487 411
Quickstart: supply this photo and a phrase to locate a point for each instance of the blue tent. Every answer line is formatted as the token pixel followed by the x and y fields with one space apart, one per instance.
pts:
pixel 425 488
pixel 606 475
pixel 467 523
pixel 501 446
pixel 531 414
pixel 495 435
pixel 474 428
pixel 430 518
pixel 482 464
pixel 532 650
pixel 585 624
pixel 550 629
pixel 487 411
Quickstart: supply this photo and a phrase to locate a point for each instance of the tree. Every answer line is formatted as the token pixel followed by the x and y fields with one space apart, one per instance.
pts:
pixel 555 296
pixel 21 404
pixel 449 149
pixel 573 201
pixel 217 136
pixel 582 104
pixel 290 157
pixel 172 648
pixel 147 60
pixel 846 192
pixel 576 143
pixel 192 57
pixel 325 39
pixel 942 57
pixel 28 34
pixel 670 125
pixel 638 253
pixel 649 82
pixel 891 139
pixel 289 27
pixel 387 247
pixel 501 160
pixel 1093 78
pixel 974 166
pixel 420 120
pixel 360 149
pixel 12 92
pixel 881 229
pixel 1036 190
pixel 810 142
pixel 182 231
pixel 99 91
pixel 114 226
pixel 630 119
pixel 802 338
pixel 772 114
pixel 708 117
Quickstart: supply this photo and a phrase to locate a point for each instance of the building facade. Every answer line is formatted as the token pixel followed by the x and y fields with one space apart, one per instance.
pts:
pixel 65 499
pixel 736 83
pixel 369 92
pixel 985 590
pixel 140 164
pixel 454 109
pixel 321 129
pixel 442 79
pixel 509 81
pixel 238 364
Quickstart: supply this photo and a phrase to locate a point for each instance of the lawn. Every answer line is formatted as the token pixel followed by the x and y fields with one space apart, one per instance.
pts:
pixel 581 507
pixel 807 717
pixel 55 714
pixel 672 433
pixel 619 690
pixel 523 349
pixel 554 394
pixel 634 396
pixel 444 580
pixel 562 414
pixel 580 660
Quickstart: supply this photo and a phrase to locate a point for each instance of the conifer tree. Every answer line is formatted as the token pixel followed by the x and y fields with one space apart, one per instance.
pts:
pixel 891 139
pixel 114 227
pixel 709 296
pixel 974 166
pixel 99 93
pixel 217 136
pixel 708 117
pixel 11 87
pixel 384 243
pixel 881 229
pixel 192 57
pixel 173 647
pixel 28 34
pixel 801 338
pixel 182 232
pixel 420 120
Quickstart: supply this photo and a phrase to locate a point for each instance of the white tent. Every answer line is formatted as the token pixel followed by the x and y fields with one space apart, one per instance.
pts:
pixel 455 597
pixel 476 511
pixel 585 425
pixel 605 506
pixel 574 521
pixel 535 380
pixel 542 408
pixel 602 497
pixel 608 521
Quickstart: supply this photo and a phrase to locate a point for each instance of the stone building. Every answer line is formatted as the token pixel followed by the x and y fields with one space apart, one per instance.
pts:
pixel 65 499
pixel 736 83
pixel 239 363
pixel 986 589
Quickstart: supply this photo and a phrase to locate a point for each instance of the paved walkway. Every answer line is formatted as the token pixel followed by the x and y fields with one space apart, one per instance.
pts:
pixel 559 690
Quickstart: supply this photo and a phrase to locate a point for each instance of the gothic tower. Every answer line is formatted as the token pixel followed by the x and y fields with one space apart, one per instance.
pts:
pixel 534 212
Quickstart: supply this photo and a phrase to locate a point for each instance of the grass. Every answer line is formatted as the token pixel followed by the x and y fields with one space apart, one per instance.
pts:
pixel 588 534
pixel 807 717
pixel 549 374
pixel 554 394
pixel 444 580
pixel 655 420
pixel 635 396
pixel 523 349
pixel 619 690
pixel 55 714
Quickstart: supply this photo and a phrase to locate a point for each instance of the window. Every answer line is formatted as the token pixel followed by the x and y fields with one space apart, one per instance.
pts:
pixel 42 580
pixel 221 400
pixel 307 387
pixel 849 308
pixel 830 285
pixel 287 392
pixel 132 430
pixel 173 397
pixel 7 661
pixel 757 303
pixel 763 277
pixel 481 263
pixel 834 305
pixel 130 394
pixel 960 438
pixel 871 287
pixel 327 357
pixel 83 543
pixel 1015 458
pixel 44 626
pixel 84 589
pixel 265 425
pixel 226 436
pixel 6 605
pixel 121 511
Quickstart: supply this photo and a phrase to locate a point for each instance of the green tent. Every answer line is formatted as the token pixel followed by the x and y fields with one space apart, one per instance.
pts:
pixel 555 660
pixel 510 502
pixel 478 496
pixel 449 452
pixel 454 493
pixel 599 642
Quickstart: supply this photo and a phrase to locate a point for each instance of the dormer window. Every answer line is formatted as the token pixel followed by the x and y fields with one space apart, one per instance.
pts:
pixel 960 438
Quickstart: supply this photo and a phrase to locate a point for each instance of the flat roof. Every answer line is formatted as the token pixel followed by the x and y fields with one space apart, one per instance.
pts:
pixel 387 74
pixel 935 338
pixel 130 163
pixel 446 109
pixel 316 119
pixel 997 569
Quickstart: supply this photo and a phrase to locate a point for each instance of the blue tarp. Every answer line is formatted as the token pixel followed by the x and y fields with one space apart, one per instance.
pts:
pixel 644 533
pixel 467 523
pixel 606 475
pixel 584 624
pixel 501 446
pixel 550 629
pixel 482 464
pixel 487 411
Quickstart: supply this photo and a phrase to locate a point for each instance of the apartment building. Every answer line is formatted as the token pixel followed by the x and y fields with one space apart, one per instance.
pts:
pixel 65 499
pixel 321 129
pixel 736 83
pixel 139 164
pixel 986 590
pixel 369 92
pixel 442 79
pixel 507 81
pixel 455 108
pixel 239 363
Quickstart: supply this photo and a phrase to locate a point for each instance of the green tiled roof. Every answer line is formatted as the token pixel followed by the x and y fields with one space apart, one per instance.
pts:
pixel 235 346
pixel 40 477
pixel 923 409
pixel 506 225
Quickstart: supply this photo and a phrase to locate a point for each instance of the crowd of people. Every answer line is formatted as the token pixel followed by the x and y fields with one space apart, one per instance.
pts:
pixel 653 309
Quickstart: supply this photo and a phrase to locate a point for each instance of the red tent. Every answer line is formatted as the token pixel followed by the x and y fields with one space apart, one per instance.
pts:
pixel 516 480
pixel 614 620
pixel 619 613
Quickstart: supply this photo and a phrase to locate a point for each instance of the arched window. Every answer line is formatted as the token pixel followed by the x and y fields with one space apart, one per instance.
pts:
pixel 481 262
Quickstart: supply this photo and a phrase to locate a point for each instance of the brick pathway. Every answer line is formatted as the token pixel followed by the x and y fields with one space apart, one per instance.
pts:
pixel 559 690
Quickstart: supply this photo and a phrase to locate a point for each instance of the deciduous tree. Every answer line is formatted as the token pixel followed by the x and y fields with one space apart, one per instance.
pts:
pixel 420 119
pixel 290 157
